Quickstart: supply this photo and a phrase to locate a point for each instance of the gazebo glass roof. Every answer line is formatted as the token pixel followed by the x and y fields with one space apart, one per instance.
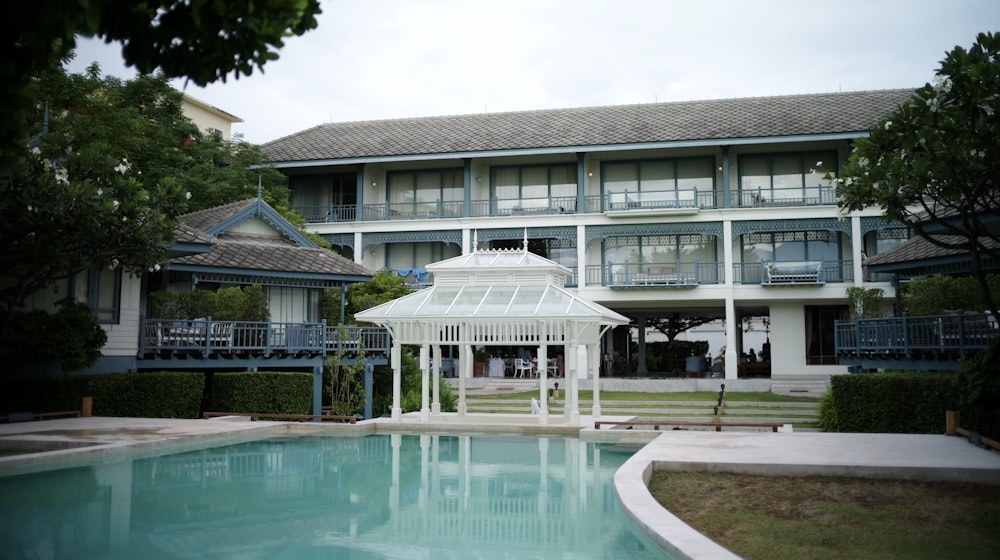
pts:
pixel 456 302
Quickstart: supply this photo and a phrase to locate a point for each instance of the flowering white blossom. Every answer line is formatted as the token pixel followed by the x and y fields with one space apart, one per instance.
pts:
pixel 31 208
pixel 155 268
pixel 888 123
pixel 62 176
pixel 114 263
pixel 819 164
pixel 99 192
pixel 187 195
pixel 124 218
pixel 123 166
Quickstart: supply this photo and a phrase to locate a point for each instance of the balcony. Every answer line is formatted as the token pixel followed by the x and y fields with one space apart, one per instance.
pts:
pixel 676 274
pixel 207 338
pixel 328 213
pixel 934 342
pixel 762 197
pixel 614 204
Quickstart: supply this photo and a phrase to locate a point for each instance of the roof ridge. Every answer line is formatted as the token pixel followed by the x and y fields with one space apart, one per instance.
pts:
pixel 592 107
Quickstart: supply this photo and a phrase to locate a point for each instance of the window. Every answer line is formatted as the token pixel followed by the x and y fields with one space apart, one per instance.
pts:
pixel 786 179
pixel 101 290
pixel 657 183
pixel 885 239
pixel 418 255
pixel 694 256
pixel 534 188
pixel 820 347
pixel 320 198
pixel 426 193
pixel 792 246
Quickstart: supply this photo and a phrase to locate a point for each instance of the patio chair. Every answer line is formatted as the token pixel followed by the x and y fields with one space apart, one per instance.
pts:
pixel 521 366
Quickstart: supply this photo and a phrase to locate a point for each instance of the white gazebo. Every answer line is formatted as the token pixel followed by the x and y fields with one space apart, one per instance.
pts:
pixel 496 298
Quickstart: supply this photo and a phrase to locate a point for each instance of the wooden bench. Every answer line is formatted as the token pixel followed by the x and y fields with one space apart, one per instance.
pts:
pixel 657 423
pixel 254 416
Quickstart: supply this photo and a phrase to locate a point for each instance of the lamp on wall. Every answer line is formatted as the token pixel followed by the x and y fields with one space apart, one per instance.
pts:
pixel 374 183
pixel 720 167
pixel 590 174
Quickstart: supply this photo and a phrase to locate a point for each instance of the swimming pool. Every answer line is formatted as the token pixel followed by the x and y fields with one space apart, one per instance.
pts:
pixel 311 497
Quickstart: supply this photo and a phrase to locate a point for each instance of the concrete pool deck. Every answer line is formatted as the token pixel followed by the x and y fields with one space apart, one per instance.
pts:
pixel 76 441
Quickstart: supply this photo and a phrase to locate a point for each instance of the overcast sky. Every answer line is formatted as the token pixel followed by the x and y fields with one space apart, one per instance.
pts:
pixel 384 59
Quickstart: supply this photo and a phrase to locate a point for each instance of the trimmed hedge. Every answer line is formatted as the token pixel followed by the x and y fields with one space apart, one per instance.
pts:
pixel 893 403
pixel 146 394
pixel 262 392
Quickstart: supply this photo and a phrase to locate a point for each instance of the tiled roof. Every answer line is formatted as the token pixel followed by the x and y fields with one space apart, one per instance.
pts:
pixel 756 117
pixel 919 249
pixel 236 252
pixel 248 254
pixel 204 219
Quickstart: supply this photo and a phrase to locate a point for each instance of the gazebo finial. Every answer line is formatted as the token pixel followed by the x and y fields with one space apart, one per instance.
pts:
pixel 525 240
pixel 475 240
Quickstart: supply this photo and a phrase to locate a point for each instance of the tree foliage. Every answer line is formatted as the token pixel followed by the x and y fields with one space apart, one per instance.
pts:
pixel 384 287
pixel 934 164
pixel 105 168
pixel 97 185
pixel 202 40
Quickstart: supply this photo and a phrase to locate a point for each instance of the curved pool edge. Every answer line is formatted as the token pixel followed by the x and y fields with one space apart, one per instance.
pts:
pixel 679 539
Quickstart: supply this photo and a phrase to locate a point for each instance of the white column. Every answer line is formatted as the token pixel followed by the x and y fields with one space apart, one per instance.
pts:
pixel 732 356
pixel 465 370
pixel 581 256
pixel 425 374
pixel 732 352
pixel 436 369
pixel 857 245
pixel 397 380
pixel 594 359
pixel 580 355
pixel 543 371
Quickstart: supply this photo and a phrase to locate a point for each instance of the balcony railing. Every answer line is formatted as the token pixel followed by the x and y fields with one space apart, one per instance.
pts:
pixel 654 274
pixel 794 196
pixel 328 213
pixel 593 204
pixel 207 337
pixel 937 339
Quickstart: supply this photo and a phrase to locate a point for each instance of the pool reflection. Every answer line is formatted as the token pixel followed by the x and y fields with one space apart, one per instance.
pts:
pixel 386 496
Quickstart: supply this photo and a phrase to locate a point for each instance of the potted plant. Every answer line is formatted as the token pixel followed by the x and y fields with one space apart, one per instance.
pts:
pixel 479 359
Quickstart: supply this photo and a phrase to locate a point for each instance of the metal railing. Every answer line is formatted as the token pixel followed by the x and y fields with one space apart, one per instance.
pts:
pixel 935 337
pixel 205 336
pixel 654 274
pixel 761 197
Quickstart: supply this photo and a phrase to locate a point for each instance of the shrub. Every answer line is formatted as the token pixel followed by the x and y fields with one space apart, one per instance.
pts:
pixel 891 402
pixel 28 337
pixel 262 392
pixel 977 388
pixel 171 394
pixel 145 395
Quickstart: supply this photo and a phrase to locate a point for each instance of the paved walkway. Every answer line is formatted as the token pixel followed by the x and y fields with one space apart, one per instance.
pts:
pixel 927 457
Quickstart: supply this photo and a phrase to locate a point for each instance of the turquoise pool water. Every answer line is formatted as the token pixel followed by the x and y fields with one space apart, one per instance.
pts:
pixel 367 498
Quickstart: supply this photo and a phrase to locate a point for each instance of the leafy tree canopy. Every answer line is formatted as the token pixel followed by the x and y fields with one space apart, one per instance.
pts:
pixel 202 40
pixel 934 164
pixel 100 182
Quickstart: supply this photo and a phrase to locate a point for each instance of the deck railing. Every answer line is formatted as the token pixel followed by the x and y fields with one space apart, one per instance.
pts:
pixel 948 337
pixel 205 336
